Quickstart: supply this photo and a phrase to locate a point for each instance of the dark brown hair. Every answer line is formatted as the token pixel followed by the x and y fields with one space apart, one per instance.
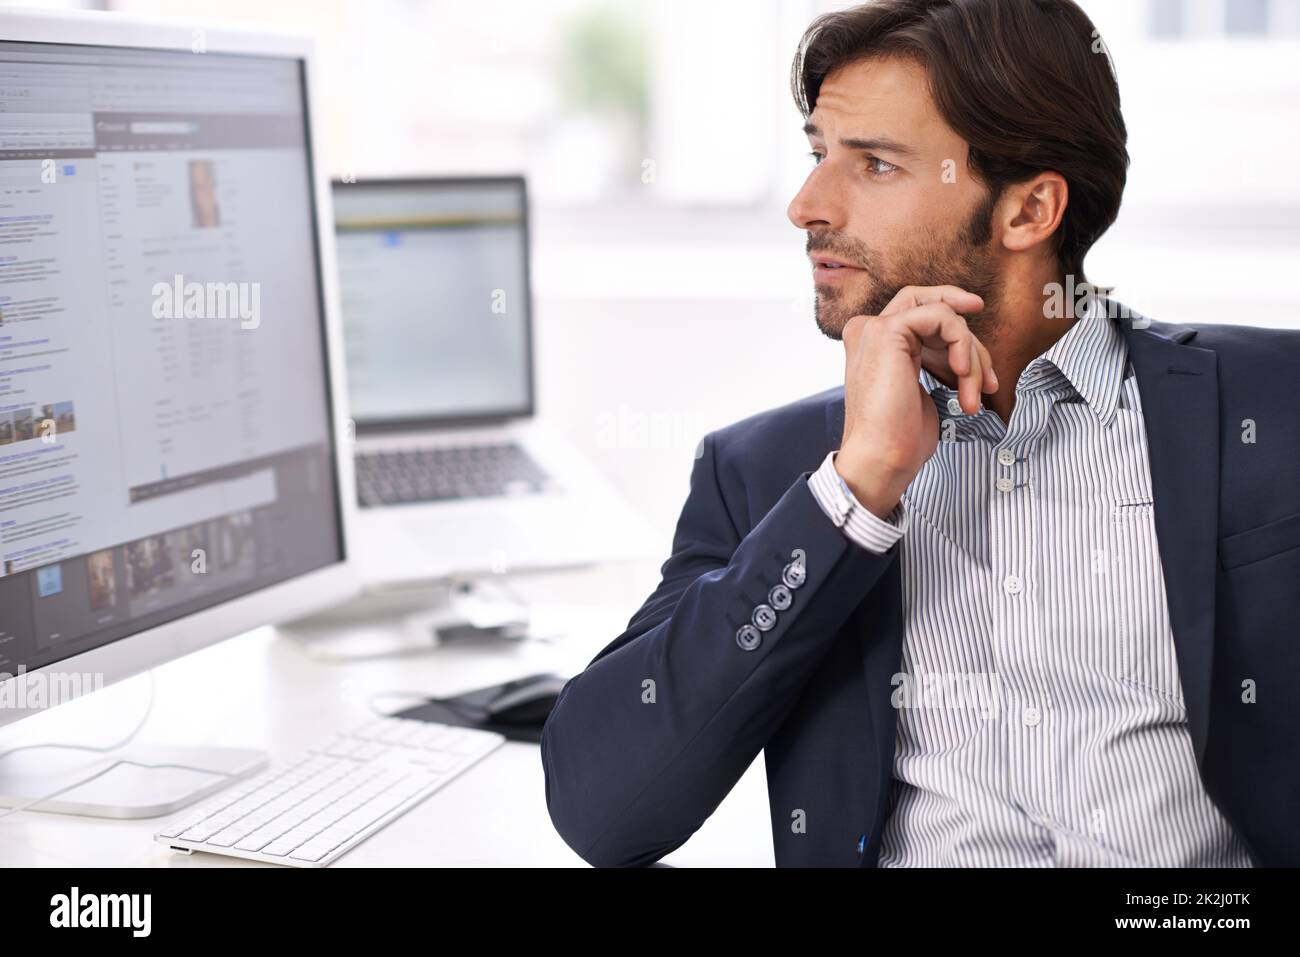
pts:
pixel 1027 84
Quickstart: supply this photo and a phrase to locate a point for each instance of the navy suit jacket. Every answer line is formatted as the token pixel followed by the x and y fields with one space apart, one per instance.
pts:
pixel 633 769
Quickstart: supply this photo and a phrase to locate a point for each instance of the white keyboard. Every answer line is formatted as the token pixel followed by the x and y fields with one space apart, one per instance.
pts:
pixel 310 812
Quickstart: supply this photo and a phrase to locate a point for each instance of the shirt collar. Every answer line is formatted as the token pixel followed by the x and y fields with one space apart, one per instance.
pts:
pixel 1092 356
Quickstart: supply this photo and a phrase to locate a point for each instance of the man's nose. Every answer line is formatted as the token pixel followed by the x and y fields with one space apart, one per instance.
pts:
pixel 815 205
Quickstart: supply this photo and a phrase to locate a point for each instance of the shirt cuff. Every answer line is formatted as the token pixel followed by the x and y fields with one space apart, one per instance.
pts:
pixel 863 527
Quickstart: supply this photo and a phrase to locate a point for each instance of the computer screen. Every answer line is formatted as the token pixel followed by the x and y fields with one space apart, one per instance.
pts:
pixel 165 437
pixel 433 279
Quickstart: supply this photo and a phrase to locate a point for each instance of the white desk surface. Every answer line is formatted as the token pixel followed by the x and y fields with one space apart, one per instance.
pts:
pixel 269 689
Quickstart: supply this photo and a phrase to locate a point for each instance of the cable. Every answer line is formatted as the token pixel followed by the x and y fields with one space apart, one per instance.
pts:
pixel 370 702
pixel 131 735
pixel 101 749
pixel 473 712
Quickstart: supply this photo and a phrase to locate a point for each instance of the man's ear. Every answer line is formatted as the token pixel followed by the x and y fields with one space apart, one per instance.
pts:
pixel 1030 212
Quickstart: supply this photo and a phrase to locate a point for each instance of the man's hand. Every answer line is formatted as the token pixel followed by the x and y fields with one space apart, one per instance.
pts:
pixel 890 424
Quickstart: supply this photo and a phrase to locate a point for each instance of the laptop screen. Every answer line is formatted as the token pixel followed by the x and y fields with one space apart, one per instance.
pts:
pixel 433 276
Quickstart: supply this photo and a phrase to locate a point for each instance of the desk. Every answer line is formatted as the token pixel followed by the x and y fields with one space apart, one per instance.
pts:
pixel 268 689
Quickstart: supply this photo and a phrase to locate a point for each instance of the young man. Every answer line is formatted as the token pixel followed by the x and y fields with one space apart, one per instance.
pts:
pixel 1024 591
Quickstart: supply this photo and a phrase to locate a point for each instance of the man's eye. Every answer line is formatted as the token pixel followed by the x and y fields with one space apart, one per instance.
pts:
pixel 875 165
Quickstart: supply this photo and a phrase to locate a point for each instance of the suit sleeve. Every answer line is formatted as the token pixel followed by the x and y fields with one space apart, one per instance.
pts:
pixel 645 743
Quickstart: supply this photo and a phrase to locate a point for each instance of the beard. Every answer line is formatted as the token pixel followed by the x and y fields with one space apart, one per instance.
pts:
pixel 966 261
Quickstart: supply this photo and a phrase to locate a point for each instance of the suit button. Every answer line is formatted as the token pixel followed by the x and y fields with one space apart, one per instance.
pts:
pixel 793 575
pixel 780 597
pixel 764 618
pixel 748 637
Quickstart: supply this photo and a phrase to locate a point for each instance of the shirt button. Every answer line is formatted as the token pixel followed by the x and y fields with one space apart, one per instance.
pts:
pixel 764 618
pixel 1031 717
pixel 1005 484
pixel 780 598
pixel 954 407
pixel 748 637
pixel 1006 457
pixel 1012 585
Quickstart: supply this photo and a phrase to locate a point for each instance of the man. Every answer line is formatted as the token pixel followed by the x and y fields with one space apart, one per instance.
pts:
pixel 1024 591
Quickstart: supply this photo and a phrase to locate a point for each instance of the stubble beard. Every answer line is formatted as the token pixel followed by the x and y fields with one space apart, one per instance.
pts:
pixel 966 261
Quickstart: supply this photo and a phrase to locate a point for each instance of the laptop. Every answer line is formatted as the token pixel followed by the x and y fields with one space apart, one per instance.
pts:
pixel 455 478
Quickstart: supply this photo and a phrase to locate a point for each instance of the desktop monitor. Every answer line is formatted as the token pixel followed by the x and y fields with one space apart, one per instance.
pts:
pixel 171 473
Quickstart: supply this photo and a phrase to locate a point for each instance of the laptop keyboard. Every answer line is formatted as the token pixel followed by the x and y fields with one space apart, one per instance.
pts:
pixel 403 476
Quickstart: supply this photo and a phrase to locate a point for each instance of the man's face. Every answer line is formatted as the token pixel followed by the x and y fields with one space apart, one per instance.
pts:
pixel 890 198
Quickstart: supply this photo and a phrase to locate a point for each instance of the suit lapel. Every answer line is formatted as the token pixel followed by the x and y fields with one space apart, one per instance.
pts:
pixel 1179 387
pixel 835 417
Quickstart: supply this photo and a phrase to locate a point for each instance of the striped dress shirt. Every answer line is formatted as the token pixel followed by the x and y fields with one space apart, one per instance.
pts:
pixel 1041 719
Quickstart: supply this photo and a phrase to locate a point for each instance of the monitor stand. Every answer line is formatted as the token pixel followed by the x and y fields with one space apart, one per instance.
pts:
pixel 125 791
pixel 413 620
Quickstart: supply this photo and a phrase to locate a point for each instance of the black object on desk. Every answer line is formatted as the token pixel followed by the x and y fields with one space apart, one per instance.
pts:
pixel 516 709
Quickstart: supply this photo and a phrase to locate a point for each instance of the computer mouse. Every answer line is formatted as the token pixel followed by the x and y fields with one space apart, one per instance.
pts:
pixel 526 701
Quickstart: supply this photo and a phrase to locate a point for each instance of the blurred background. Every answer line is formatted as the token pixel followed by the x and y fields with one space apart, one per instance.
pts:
pixel 662 147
